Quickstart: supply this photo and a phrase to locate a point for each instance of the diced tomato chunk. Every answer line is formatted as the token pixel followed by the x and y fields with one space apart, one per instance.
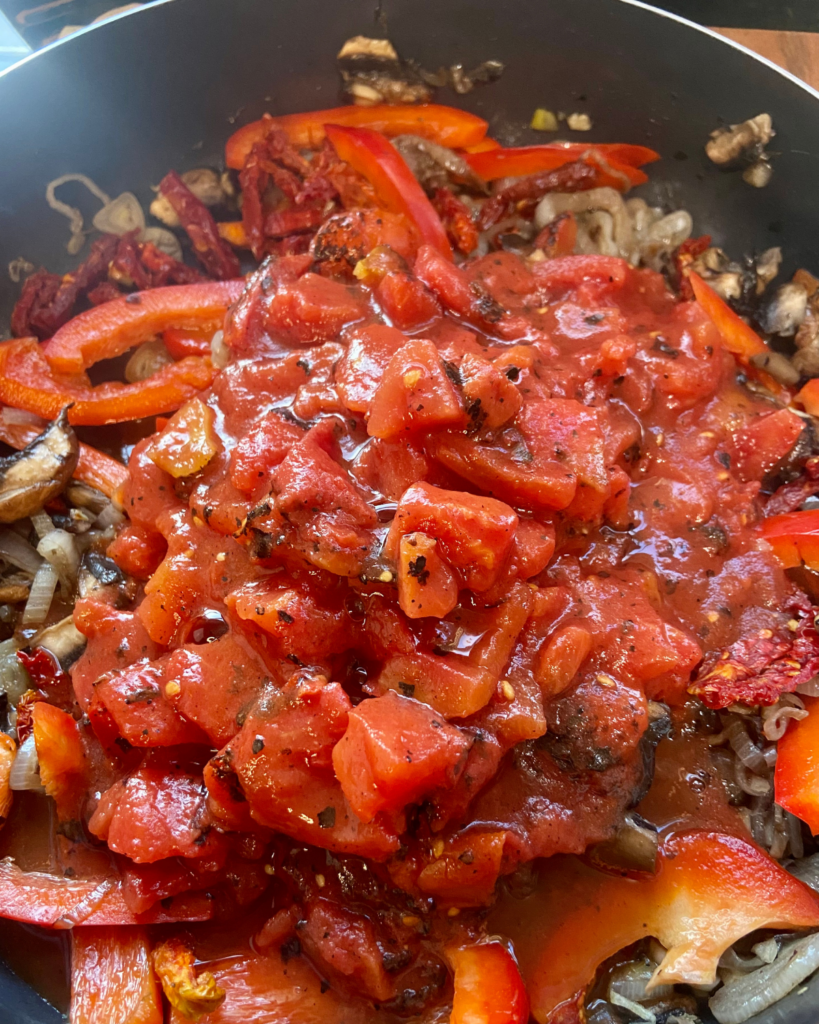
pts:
pixel 283 760
pixel 475 534
pixel 405 301
pixel 757 448
pixel 296 621
pixel 312 309
pixel 259 452
pixel 426 583
pixel 415 394
pixel 138 551
pixel 369 351
pixel 491 398
pixel 135 699
pixel 342 944
pixel 155 813
pixel 395 750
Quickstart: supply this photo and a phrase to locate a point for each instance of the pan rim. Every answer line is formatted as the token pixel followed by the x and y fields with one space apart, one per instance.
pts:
pixel 640 4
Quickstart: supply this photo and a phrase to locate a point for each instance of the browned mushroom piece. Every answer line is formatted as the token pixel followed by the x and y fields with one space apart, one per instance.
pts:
pixel 745 141
pixel 435 166
pixel 30 478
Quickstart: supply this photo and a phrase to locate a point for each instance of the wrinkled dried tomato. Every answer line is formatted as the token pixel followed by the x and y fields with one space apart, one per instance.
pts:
pixel 38 292
pixel 215 255
pixel 574 177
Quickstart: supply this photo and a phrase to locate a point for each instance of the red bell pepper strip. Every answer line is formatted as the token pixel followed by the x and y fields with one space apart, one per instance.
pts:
pixel 484 146
pixel 52 901
pixel 446 125
pixel 796 779
pixel 794 537
pixel 93 467
pixel 808 397
pixel 738 337
pixel 520 160
pixel 112 979
pixel 488 986
pixel 111 329
pixel 28 382
pixel 382 165
pixel 709 891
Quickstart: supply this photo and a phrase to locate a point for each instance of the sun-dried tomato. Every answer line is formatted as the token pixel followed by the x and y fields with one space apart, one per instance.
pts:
pixel 25 714
pixel 215 255
pixel 759 668
pixel 38 291
pixel 790 496
pixel 457 219
pixel 47 300
pixel 104 292
pixel 164 269
pixel 575 177
pixel 126 266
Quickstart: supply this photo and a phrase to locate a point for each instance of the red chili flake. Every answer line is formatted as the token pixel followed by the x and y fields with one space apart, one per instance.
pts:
pixel 574 177
pixel 685 255
pixel 758 669
pixel 212 251
pixel 457 219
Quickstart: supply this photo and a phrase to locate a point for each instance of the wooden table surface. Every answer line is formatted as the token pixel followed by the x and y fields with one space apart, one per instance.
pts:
pixel 798 52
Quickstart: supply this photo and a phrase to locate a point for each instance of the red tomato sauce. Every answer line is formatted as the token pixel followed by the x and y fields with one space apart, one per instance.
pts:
pixel 412 601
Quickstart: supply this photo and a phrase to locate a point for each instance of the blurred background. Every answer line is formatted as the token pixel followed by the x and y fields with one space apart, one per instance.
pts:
pixel 29 24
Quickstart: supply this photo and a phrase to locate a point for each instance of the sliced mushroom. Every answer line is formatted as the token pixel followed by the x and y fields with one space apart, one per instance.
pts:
pixel 767 266
pixel 632 851
pixel 63 640
pixel 434 165
pixel 746 141
pixel 32 477
pixel 778 366
pixel 758 174
pixel 786 311
pixel 373 72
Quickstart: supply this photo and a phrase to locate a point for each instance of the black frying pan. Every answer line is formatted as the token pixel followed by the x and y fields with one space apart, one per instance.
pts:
pixel 163 87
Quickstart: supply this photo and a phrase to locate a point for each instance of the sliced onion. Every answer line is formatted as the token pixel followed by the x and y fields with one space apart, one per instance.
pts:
pixel 14 680
pixel 25 771
pixel 41 595
pixel 810 688
pixel 120 216
pixel 744 747
pixel 750 783
pixel 806 869
pixel 627 1004
pixel 220 353
pixel 777 718
pixel 41 521
pixel 19 552
pixel 794 829
pixel 743 997
pixel 60 549
pixel 77 239
pixel 630 981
